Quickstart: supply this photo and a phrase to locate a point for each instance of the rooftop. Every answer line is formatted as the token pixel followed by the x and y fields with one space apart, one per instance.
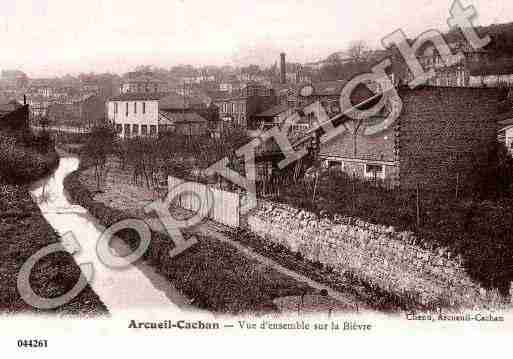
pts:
pixel 273 111
pixel 499 67
pixel 140 96
pixel 506 118
pixel 178 117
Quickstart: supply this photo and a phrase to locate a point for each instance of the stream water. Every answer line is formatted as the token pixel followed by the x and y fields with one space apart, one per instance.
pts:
pixel 137 288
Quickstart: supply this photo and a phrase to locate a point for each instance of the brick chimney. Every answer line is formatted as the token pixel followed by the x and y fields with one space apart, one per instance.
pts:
pixel 283 68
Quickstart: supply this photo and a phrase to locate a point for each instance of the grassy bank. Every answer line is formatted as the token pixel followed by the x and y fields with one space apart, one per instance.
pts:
pixel 22 162
pixel 213 274
pixel 24 231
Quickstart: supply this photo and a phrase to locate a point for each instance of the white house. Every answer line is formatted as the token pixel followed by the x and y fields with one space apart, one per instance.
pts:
pixel 147 114
pixel 135 114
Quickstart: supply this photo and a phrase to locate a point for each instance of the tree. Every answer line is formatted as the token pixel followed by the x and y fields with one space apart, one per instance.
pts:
pixel 100 144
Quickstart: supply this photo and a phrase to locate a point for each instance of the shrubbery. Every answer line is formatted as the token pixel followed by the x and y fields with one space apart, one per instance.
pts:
pixel 22 162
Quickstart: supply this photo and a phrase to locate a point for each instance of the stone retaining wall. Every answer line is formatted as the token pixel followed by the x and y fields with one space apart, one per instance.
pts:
pixel 375 253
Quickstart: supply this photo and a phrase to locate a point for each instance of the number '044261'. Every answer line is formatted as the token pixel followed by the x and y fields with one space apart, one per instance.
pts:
pixel 32 343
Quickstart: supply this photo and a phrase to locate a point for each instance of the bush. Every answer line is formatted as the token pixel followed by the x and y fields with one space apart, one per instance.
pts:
pixel 22 163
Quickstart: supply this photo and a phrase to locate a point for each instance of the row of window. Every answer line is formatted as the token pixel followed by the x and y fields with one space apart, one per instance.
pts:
pixel 370 170
pixel 142 88
pixel 133 130
pixel 127 107
pixel 228 107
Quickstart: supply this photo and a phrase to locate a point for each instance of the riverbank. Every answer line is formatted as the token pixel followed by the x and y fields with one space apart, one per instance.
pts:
pixel 24 231
pixel 215 275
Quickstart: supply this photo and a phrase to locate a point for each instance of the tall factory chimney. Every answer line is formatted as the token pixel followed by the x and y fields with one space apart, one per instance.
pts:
pixel 283 69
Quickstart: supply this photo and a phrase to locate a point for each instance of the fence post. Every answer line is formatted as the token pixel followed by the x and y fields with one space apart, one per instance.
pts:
pixel 457 185
pixel 418 206
pixel 315 185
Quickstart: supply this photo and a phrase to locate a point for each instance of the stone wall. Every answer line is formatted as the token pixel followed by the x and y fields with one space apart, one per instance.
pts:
pixel 377 254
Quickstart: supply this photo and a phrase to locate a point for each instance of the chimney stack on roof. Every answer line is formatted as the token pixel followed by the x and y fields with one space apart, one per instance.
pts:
pixel 283 69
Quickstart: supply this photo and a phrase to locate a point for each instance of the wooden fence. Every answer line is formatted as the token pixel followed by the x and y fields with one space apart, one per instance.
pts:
pixel 225 205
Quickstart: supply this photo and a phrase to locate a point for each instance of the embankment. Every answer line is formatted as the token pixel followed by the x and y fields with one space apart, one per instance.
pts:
pixel 24 231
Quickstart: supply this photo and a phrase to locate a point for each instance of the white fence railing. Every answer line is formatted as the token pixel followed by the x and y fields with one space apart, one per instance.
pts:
pixel 225 205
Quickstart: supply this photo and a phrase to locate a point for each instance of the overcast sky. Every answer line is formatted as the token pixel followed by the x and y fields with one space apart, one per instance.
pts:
pixel 55 37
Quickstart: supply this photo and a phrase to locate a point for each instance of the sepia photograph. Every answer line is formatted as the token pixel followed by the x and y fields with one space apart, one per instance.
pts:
pixel 187 171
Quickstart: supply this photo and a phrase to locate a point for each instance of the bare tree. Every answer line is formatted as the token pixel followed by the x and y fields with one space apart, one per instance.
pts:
pixel 99 146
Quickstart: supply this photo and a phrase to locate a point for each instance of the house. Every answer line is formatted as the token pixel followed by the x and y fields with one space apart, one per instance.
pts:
pixel 38 105
pixel 92 110
pixel 148 114
pixel 187 124
pixel 135 113
pixel 488 66
pixel 299 95
pixel 496 74
pixel 442 135
pixel 240 107
pixel 137 82
pixel 13 79
pixel 271 117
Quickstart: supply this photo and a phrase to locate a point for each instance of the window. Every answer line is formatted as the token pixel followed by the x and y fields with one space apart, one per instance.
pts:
pixel 335 165
pixel 144 130
pixel 119 128
pixel 127 130
pixel 135 129
pixel 153 130
pixel 115 107
pixel 374 171
pixel 135 107
pixel 144 107
pixel 126 109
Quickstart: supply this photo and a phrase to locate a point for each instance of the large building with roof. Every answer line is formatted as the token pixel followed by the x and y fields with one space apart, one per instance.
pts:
pixel 148 114
pixel 239 107
pixel 441 137
pixel 143 82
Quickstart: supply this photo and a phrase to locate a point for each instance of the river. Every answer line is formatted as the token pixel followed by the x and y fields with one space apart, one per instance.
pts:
pixel 137 289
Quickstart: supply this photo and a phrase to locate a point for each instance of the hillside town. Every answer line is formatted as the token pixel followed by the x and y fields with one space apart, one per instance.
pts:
pixel 297 204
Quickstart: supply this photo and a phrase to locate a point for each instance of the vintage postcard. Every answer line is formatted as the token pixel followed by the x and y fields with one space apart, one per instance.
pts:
pixel 293 173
